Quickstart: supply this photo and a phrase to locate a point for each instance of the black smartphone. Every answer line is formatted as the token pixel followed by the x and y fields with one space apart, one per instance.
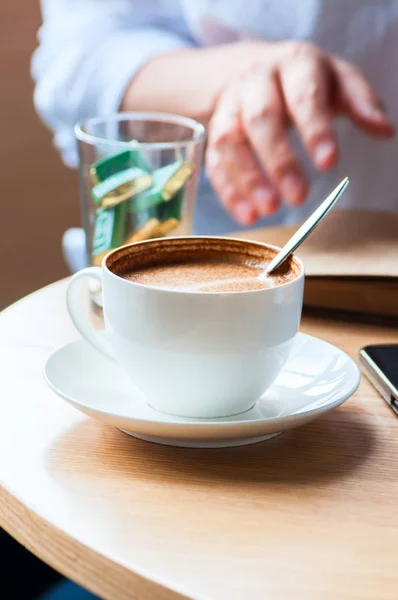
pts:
pixel 380 365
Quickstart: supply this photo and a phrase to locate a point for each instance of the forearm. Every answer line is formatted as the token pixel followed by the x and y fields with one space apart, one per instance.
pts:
pixel 186 81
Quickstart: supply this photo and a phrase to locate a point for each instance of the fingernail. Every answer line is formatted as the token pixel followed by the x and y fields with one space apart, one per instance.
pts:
pixel 293 188
pixel 265 200
pixel 377 114
pixel 245 212
pixel 381 120
pixel 324 154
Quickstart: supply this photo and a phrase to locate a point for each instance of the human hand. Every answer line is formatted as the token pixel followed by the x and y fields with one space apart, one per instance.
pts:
pixel 249 158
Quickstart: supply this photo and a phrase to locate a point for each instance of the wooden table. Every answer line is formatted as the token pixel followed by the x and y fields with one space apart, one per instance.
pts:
pixel 312 514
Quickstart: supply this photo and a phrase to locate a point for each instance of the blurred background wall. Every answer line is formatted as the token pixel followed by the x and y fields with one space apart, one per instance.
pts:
pixel 39 195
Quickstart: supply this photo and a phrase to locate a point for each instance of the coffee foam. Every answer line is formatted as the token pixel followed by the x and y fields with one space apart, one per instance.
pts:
pixel 200 264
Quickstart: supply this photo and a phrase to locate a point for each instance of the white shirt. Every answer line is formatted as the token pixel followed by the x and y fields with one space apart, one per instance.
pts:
pixel 90 49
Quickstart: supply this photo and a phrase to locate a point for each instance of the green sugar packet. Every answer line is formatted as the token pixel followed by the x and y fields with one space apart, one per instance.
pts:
pixel 109 230
pixel 166 189
pixel 120 187
pixel 117 162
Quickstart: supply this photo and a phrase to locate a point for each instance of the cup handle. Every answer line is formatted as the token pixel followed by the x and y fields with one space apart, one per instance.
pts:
pixel 78 314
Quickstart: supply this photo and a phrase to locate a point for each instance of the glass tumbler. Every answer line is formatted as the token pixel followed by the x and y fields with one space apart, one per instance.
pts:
pixel 138 177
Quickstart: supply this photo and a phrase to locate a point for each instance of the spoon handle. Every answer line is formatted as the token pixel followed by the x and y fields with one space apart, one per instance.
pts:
pixel 307 226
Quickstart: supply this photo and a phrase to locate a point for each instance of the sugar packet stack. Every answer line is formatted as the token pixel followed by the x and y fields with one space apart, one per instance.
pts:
pixel 134 203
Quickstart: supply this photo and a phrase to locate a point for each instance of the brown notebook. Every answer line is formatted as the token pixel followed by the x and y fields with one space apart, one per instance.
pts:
pixel 351 261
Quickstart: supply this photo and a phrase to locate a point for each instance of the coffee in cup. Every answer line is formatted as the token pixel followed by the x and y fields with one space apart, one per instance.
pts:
pixel 204 267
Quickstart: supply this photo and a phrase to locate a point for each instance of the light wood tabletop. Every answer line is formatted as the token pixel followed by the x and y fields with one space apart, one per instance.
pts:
pixel 311 514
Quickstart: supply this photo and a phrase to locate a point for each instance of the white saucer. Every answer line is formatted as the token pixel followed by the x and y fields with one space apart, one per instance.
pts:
pixel 317 378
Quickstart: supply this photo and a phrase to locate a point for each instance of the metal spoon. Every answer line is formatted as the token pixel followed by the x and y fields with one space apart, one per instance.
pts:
pixel 306 228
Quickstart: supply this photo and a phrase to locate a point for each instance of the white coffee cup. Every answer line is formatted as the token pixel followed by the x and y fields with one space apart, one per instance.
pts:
pixel 192 354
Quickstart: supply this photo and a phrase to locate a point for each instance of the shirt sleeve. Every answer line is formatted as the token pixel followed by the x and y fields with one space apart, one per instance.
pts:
pixel 89 50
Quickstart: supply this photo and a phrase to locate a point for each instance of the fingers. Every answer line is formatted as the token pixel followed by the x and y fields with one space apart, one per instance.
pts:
pixel 266 126
pixel 234 172
pixel 357 98
pixel 305 79
pixel 250 160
